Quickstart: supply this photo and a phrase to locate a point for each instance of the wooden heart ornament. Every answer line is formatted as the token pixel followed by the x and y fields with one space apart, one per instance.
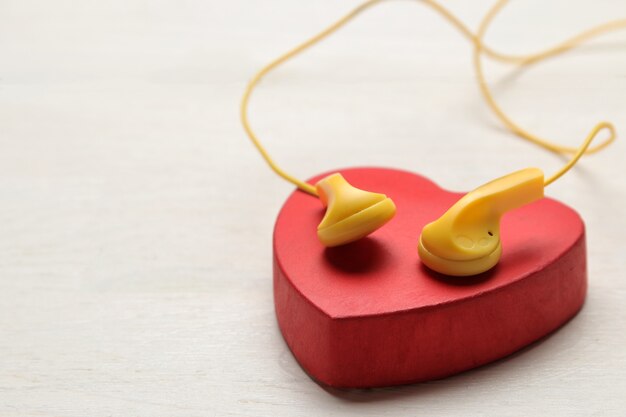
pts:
pixel 369 314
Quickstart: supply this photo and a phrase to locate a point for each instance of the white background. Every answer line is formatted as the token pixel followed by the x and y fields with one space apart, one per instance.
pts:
pixel 136 218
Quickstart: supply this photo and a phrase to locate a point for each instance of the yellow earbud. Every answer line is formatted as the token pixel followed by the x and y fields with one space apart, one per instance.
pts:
pixel 351 213
pixel 466 239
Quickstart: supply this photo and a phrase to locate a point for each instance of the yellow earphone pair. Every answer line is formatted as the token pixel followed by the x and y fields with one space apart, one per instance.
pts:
pixel 465 240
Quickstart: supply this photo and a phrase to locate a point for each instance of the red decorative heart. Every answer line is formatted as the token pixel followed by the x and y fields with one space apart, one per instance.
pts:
pixel 370 314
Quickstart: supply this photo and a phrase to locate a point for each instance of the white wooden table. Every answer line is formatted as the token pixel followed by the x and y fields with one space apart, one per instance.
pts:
pixel 136 218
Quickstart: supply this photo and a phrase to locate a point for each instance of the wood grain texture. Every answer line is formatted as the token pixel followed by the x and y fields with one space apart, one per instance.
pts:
pixel 135 253
pixel 370 314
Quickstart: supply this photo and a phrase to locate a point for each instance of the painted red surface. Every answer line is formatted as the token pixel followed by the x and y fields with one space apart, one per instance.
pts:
pixel 370 314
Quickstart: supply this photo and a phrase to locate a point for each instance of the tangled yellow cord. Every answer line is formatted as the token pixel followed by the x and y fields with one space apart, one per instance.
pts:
pixel 479 49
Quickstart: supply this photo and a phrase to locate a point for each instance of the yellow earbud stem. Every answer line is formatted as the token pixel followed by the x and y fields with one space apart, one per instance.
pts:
pixel 466 239
pixel 351 213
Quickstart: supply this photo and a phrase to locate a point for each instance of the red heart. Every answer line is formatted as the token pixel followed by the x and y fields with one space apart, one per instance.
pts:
pixel 370 314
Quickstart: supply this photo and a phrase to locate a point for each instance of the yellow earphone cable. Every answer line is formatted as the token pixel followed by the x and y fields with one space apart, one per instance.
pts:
pixel 484 87
pixel 514 127
pixel 582 149
pixel 479 48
